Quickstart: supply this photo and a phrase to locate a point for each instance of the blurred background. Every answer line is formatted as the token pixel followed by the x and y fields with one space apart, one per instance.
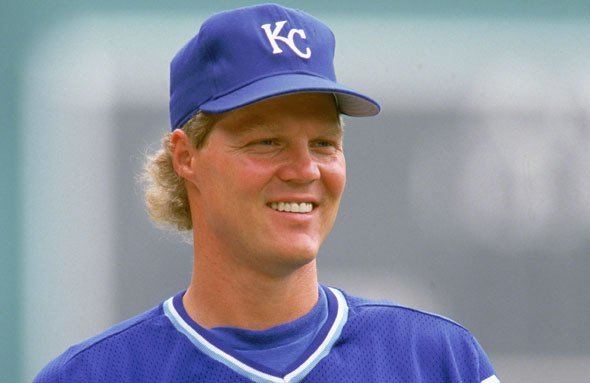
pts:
pixel 469 195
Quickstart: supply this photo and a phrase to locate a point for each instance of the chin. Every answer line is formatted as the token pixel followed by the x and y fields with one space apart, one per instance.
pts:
pixel 293 258
pixel 304 258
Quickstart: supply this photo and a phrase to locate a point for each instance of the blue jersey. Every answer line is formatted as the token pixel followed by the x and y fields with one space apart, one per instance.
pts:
pixel 361 341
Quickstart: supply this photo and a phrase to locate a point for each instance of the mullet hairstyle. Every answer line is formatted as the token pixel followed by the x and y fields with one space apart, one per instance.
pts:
pixel 166 198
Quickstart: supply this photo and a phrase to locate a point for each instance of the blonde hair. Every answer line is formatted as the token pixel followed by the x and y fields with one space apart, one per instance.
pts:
pixel 166 198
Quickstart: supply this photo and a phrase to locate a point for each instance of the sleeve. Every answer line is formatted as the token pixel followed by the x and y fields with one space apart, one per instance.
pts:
pixel 485 368
pixel 50 373
pixel 54 371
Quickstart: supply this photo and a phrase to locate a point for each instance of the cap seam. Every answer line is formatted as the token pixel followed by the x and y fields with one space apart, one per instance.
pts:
pixel 210 65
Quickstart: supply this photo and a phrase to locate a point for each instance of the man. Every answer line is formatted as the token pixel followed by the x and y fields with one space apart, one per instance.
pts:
pixel 254 166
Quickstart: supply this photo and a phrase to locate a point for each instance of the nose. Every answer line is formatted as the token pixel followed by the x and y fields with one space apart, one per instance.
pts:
pixel 300 166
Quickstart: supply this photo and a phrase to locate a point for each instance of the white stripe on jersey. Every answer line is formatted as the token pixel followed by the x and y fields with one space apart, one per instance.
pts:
pixel 491 379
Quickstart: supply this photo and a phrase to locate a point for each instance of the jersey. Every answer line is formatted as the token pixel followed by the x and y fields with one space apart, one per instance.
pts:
pixel 360 341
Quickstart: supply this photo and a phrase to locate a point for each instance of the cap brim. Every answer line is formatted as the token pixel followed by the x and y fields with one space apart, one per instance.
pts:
pixel 350 102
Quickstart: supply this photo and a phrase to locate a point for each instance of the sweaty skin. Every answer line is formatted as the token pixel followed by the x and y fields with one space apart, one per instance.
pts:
pixel 255 267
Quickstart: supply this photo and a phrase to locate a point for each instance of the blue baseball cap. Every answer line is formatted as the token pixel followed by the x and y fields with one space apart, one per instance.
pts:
pixel 253 53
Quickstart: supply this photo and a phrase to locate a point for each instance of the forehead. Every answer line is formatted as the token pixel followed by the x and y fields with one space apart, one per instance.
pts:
pixel 317 111
pixel 259 123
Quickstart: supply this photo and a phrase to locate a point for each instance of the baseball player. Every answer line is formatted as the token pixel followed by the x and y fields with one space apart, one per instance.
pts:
pixel 254 167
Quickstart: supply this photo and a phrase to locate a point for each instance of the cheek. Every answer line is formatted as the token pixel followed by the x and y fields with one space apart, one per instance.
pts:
pixel 246 177
pixel 335 178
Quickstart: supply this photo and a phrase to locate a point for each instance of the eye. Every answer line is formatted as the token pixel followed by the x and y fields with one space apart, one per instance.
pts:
pixel 264 146
pixel 324 143
pixel 267 141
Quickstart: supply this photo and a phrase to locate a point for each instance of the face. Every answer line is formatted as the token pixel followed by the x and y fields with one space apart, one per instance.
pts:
pixel 258 159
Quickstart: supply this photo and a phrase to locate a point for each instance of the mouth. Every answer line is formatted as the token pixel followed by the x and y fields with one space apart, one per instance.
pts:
pixel 292 207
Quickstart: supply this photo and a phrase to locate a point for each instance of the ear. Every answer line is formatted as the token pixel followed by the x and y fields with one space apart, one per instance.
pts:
pixel 183 154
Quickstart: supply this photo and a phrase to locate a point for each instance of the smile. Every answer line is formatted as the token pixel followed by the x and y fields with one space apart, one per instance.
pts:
pixel 292 207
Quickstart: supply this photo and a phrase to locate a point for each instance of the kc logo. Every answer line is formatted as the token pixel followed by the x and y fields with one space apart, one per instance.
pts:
pixel 273 36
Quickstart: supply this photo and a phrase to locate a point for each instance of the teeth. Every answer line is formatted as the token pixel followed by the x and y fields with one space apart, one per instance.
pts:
pixel 293 207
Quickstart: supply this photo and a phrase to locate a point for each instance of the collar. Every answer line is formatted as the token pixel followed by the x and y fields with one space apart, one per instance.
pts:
pixel 218 350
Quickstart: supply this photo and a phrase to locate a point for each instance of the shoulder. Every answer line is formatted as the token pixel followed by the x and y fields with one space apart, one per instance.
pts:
pixel 389 323
pixel 431 339
pixel 105 345
pixel 387 313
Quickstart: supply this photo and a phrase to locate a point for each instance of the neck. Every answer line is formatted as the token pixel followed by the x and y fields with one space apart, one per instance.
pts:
pixel 225 293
